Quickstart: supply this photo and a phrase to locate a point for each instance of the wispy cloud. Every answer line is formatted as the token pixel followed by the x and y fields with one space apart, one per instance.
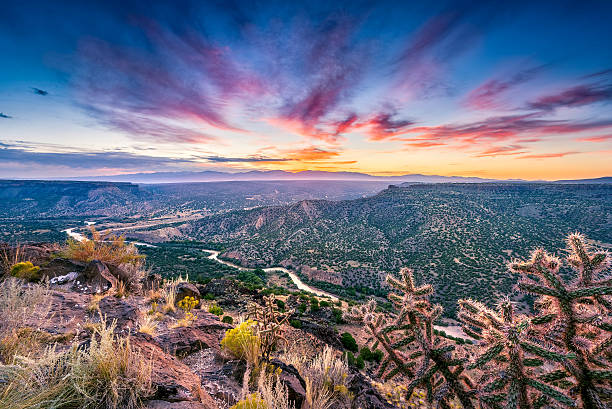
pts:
pixel 40 92
pixel 488 94
pixel 548 155
pixel 574 97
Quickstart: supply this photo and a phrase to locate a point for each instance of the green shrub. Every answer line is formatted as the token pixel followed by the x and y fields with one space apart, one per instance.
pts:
pixel 349 342
pixel 359 363
pixel 280 304
pixel 215 309
pixel 26 270
pixel 324 304
pixel 337 315
pixel 302 308
pixel 296 323
pixel 227 319
pixel 209 296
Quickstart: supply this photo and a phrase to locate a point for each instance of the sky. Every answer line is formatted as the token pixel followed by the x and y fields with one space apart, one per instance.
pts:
pixel 518 89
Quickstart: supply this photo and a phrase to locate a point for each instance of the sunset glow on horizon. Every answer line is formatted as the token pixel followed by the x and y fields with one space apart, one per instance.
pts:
pixel 460 88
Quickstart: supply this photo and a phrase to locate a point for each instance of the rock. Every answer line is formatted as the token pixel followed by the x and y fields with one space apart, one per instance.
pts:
pixel 172 380
pixel 290 377
pixel 59 280
pixel 125 314
pixel 205 332
pixel 183 341
pixel 185 289
pixel 324 332
pixel 162 404
pixel 93 280
pixel 60 267
pixel 366 396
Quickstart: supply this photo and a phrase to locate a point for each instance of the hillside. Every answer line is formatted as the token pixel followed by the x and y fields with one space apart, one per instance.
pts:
pixel 459 237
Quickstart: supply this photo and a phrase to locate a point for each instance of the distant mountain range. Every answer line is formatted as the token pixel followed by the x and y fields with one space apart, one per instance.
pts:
pixel 213 176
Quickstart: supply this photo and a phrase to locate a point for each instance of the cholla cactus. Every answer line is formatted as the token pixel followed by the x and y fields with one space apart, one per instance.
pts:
pixel 510 350
pixel 269 321
pixel 412 349
pixel 579 313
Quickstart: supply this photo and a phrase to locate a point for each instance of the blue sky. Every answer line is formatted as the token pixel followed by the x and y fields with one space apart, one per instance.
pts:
pixel 473 88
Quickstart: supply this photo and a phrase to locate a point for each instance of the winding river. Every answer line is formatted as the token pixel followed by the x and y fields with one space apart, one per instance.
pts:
pixel 214 255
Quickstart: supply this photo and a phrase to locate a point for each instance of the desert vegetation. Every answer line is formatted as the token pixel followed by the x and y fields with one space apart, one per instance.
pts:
pixel 559 356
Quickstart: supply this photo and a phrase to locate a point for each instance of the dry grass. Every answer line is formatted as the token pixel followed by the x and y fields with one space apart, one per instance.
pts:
pixel 9 256
pixel 108 249
pixel 94 302
pixel 169 293
pixel 147 324
pixel 273 392
pixel 325 376
pixel 21 306
pixel 154 296
pixel 107 375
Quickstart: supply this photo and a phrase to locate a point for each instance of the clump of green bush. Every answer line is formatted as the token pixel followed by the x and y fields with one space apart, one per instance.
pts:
pixel 348 342
pixel 215 309
pixel 296 323
pixel 227 319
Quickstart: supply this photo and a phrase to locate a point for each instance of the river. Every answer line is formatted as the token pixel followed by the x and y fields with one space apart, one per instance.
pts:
pixel 214 255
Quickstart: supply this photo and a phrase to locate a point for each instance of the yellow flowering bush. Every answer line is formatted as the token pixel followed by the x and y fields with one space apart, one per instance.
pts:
pixel 26 270
pixel 241 340
pixel 251 402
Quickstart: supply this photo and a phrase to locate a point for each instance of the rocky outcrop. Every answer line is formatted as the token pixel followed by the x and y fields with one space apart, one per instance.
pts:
pixel 94 278
pixel 123 313
pixel 365 396
pixel 186 289
pixel 290 377
pixel 172 380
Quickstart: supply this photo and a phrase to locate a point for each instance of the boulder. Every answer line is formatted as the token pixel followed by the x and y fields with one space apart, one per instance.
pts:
pixel 60 267
pixel 366 396
pixel 183 341
pixel 94 278
pixel 290 377
pixel 114 309
pixel 172 380
pixel 185 289
pixel 324 332
pixel 205 332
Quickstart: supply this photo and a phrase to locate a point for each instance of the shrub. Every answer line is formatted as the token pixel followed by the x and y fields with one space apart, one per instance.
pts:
pixel 251 402
pixel 26 270
pixel 302 308
pixel 280 304
pixel 348 342
pixel 20 306
pixel 107 249
pixel 227 319
pixel 109 374
pixel 359 363
pixel 296 323
pixel 240 340
pixel 324 304
pixel 209 296
pixel 337 315
pixel 215 309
